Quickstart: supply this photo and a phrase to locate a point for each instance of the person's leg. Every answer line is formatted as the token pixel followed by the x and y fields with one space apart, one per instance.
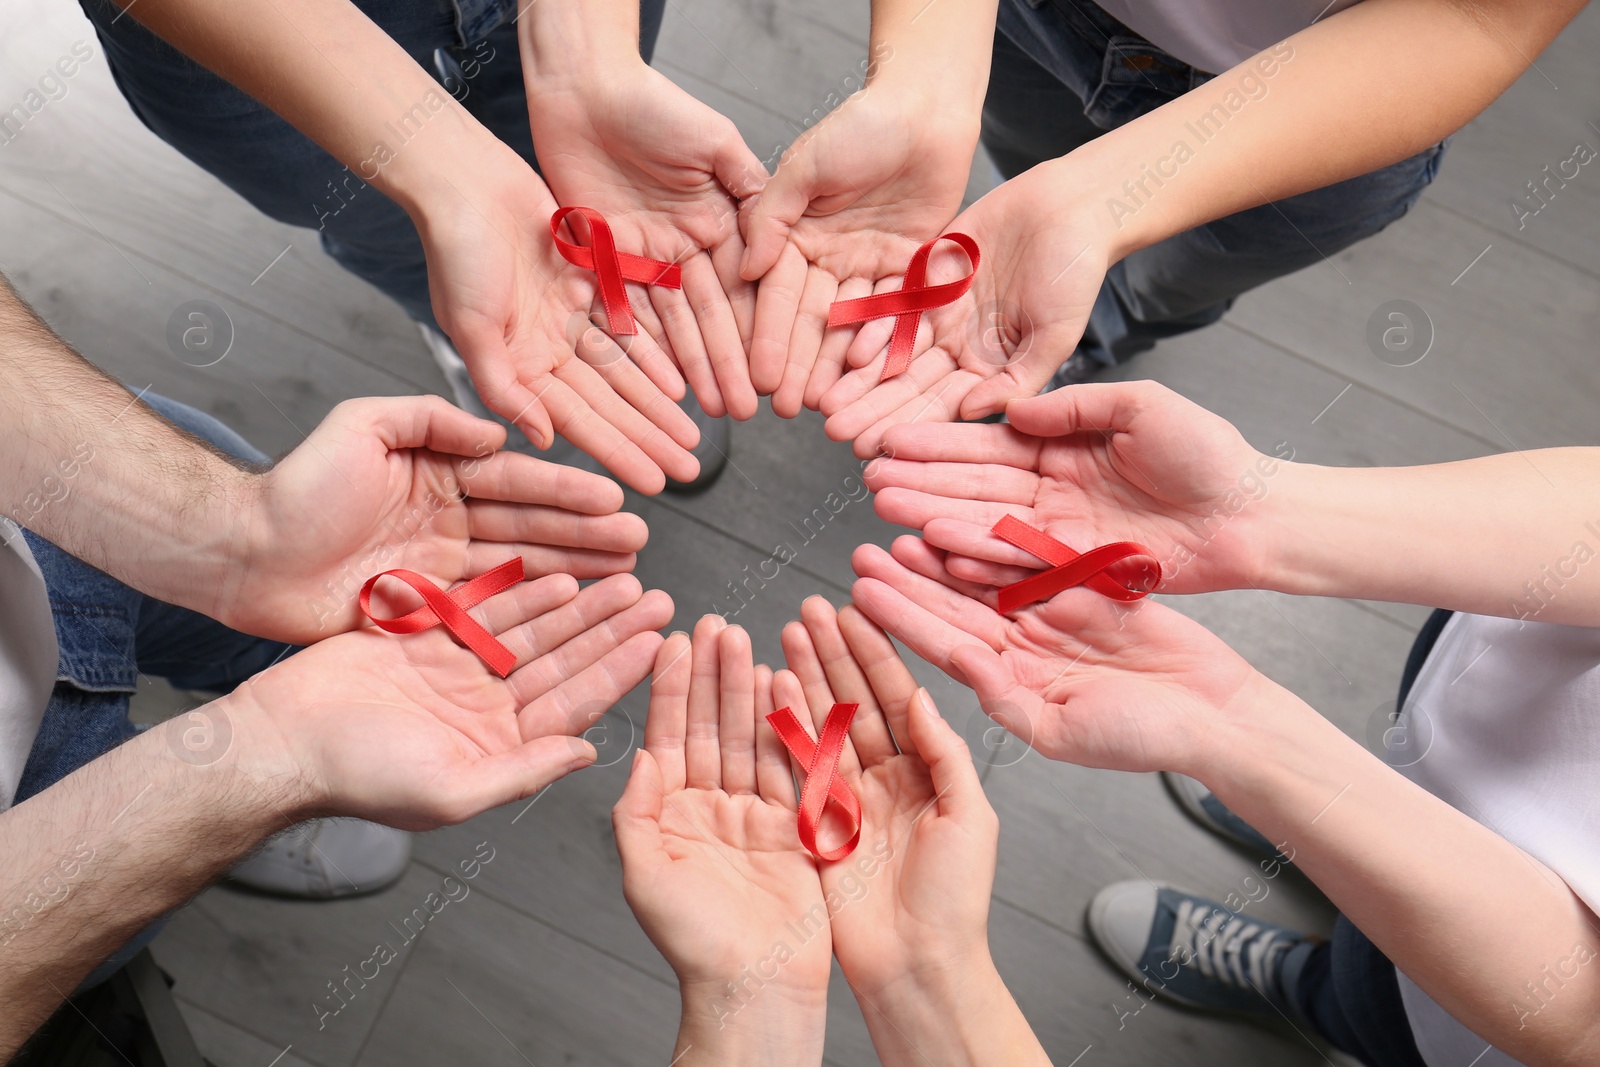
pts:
pixel 1347 990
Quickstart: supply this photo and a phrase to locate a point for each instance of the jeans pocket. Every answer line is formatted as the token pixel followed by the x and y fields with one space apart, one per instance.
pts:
pixel 1136 77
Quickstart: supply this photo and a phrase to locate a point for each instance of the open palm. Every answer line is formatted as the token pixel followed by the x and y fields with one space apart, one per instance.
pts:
pixel 915 895
pixel 1079 677
pixel 416 731
pixel 1090 464
pixel 712 863
pixel 1027 308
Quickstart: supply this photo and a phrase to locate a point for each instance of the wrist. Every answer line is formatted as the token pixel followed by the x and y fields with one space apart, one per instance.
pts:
pixel 751 1023
pixel 253 754
pixel 574 47
pixel 1288 536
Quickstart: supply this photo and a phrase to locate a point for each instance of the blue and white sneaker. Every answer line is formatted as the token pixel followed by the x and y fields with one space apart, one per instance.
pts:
pixel 1204 808
pixel 1196 952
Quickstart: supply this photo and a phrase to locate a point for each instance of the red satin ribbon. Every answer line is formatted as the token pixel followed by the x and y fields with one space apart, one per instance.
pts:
pixel 1069 568
pixel 907 305
pixel 451 609
pixel 821 761
pixel 613 267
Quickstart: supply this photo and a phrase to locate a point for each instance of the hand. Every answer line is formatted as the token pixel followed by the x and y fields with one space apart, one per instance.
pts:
pixel 1044 259
pixel 711 857
pixel 416 732
pixel 410 482
pixel 1079 677
pixel 914 897
pixel 1090 464
pixel 850 202
pixel 667 172
pixel 519 314
pixel 911 908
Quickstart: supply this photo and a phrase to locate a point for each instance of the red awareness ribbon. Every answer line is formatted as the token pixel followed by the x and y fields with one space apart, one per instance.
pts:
pixel 1068 569
pixel 451 609
pixel 821 761
pixel 613 267
pixel 907 305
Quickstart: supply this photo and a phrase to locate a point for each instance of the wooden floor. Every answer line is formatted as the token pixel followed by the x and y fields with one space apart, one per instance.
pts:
pixel 107 231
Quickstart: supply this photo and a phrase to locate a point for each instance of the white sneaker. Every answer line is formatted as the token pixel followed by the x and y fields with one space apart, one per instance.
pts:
pixel 327 858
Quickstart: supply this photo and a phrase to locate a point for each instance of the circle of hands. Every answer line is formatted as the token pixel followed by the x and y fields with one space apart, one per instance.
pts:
pixel 416 733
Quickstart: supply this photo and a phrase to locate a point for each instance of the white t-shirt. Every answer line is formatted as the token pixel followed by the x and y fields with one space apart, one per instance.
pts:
pixel 1513 710
pixel 1213 35
pixel 28 656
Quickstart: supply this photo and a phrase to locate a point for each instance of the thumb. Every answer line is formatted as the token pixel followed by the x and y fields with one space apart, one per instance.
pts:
pixel 514 775
pixel 1107 406
pixel 955 779
pixel 426 422
pixel 636 818
pixel 737 168
pixel 772 214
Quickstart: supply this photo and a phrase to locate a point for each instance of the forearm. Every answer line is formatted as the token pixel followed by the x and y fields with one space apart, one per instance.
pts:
pixel 338 78
pixel 959 1017
pixel 756 1028
pixel 99 855
pixel 1510 535
pixel 571 44
pixel 936 54
pixel 1464 913
pixel 1345 97
pixel 106 478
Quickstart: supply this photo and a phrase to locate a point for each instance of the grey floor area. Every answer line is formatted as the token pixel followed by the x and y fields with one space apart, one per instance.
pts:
pixel 107 231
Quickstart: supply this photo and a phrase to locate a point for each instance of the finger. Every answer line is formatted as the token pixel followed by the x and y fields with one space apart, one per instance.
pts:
pixel 1109 406
pixel 939 402
pixel 492 366
pixel 489 520
pixel 616 387
pixel 688 346
pixel 430 422
pixel 589 431
pixel 636 818
pixel 736 734
pixel 701 752
pixel 982 572
pixel 540 560
pixel 887 674
pixel 528 634
pixel 787 692
pixel 966 615
pixel 869 344
pixel 564 659
pixel 957 481
pixel 774 776
pixel 965 442
pixel 869 732
pixel 525 602
pixel 955 779
pixel 648 349
pixel 1044 353
pixel 835 341
pixel 773 213
pixel 736 167
pixel 860 399
pixel 918 556
pixel 505 777
pixel 725 258
pixel 578 701
pixel 806 665
pixel 978 541
pixel 515 478
pixel 777 304
pixel 904 507
pixel 669 706
pixel 713 314
pixel 811 322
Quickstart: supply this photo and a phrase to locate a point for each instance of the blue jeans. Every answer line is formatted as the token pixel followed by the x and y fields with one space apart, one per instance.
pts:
pixel 1348 989
pixel 1065 72
pixel 109 635
pixel 469 45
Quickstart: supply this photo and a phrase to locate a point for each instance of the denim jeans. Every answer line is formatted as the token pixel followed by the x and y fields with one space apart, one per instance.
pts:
pixel 109 635
pixel 469 45
pixel 1065 72
pixel 1348 989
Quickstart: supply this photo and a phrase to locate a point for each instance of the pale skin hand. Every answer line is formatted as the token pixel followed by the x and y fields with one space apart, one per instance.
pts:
pixel 667 172
pixel 855 195
pixel 1089 465
pixel 711 857
pixel 1041 269
pixel 411 731
pixel 911 919
pixel 413 483
pixel 1149 690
